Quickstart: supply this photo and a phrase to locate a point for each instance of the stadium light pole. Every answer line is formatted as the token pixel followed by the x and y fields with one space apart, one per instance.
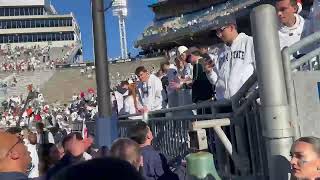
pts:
pixel 106 122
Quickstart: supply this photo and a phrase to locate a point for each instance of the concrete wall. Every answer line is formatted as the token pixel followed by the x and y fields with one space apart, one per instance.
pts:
pixel 308 101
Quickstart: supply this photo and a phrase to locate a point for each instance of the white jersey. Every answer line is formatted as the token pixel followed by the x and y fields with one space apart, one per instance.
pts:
pixel 238 66
pixel 34 160
pixel 290 35
pixel 151 93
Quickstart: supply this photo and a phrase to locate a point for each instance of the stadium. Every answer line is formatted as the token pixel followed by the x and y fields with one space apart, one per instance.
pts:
pixel 221 89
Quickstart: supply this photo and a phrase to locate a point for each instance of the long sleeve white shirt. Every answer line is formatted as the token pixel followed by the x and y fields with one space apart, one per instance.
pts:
pixel 237 67
pixel 150 93
pixel 34 160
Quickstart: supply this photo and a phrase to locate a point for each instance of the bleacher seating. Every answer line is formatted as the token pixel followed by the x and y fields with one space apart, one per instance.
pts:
pixel 197 18
pixel 36 78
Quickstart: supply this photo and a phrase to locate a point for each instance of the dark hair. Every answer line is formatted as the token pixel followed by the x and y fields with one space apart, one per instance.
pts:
pixel 314 141
pixel 209 62
pixel 44 157
pixel 14 130
pixel 292 2
pixel 162 64
pixel 101 168
pixel 104 150
pixel 140 69
pixel 123 83
pixel 70 136
pixel 139 132
pixel 39 125
pixel 206 56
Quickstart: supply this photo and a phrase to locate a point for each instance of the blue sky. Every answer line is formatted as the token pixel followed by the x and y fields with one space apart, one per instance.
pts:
pixel 139 16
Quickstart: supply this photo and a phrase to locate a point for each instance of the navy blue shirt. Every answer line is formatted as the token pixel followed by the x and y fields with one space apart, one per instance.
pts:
pixel 152 164
pixel 155 165
pixel 13 176
pixel 66 161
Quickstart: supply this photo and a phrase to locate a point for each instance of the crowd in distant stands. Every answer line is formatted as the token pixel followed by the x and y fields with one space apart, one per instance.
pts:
pixel 21 59
pixel 201 18
pixel 82 107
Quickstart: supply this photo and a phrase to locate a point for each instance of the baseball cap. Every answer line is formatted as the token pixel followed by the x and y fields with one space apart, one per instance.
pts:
pixel 181 49
pixel 226 21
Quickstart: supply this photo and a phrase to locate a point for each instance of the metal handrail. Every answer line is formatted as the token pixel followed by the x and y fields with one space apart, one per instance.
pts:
pixel 296 63
pixel 211 103
pixel 289 65
pixel 206 104
pixel 245 88
pixel 309 40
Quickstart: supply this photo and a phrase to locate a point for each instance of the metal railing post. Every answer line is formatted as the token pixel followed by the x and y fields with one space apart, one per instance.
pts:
pixel 276 124
pixel 290 90
pixel 106 123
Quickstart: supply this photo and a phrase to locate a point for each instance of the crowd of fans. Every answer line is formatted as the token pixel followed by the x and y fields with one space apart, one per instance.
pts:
pixel 83 107
pixel 201 74
pixel 199 18
pixel 38 154
pixel 21 59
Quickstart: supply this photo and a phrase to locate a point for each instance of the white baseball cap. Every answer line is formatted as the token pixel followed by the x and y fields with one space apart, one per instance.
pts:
pixel 181 49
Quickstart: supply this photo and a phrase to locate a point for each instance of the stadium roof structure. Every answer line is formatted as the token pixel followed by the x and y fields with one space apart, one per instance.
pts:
pixel 195 27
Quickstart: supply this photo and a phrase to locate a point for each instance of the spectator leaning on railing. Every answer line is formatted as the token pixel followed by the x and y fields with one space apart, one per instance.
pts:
pixel 239 59
pixel 149 90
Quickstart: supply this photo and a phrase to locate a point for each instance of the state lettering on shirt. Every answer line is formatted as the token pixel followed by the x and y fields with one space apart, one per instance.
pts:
pixel 238 55
pixel 235 55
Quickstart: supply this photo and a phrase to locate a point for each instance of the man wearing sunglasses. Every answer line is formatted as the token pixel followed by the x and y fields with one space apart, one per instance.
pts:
pixel 238 59
pixel 14 157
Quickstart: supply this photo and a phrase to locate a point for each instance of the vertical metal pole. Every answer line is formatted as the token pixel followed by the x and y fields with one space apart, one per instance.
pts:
pixel 106 122
pixel 290 91
pixel 275 112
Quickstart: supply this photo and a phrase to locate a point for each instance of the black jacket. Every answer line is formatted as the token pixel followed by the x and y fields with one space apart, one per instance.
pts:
pixel 201 88
pixel 67 160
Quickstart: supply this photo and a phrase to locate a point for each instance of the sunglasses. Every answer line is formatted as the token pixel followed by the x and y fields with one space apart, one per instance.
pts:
pixel 20 140
pixel 220 30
